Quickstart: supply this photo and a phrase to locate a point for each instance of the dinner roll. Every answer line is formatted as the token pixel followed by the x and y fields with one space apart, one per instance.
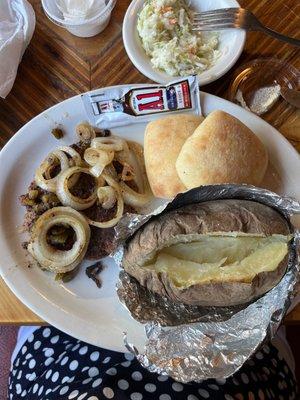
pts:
pixel 163 141
pixel 222 150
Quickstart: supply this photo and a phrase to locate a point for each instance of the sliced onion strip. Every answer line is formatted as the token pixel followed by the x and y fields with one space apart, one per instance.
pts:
pixel 120 205
pixel 127 172
pixel 133 198
pixel 133 155
pixel 107 197
pixel 136 152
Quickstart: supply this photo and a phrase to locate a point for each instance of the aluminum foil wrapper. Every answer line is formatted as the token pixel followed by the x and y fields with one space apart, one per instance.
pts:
pixel 191 343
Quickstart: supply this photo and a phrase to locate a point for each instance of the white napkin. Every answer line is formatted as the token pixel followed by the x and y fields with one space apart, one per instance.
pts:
pixel 78 10
pixel 17 23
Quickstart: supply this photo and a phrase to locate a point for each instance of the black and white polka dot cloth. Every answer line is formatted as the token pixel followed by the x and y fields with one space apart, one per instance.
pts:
pixel 53 366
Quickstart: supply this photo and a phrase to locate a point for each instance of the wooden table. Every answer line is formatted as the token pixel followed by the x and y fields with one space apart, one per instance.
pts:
pixel 58 65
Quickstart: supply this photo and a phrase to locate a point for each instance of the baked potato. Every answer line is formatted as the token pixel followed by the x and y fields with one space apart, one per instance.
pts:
pixel 216 253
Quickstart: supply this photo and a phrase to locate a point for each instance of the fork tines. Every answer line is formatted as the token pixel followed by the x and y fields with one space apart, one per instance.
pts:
pixel 215 19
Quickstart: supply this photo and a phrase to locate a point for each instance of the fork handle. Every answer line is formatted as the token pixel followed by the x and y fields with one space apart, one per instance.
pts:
pixel 279 36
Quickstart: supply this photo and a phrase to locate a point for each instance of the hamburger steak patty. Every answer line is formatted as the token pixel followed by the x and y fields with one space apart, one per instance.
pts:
pixel 102 241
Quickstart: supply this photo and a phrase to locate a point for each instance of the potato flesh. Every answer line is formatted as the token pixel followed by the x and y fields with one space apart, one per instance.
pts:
pixel 220 259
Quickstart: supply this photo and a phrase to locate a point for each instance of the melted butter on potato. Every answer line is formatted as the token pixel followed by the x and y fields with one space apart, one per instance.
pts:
pixel 220 259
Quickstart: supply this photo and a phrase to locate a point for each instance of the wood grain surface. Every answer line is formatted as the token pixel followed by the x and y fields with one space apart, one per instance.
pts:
pixel 57 65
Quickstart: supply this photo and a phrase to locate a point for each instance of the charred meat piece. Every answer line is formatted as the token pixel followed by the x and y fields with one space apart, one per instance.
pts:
pixel 93 272
pixel 57 133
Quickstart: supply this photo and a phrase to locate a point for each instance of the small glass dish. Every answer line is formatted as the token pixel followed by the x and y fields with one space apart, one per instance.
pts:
pixel 256 86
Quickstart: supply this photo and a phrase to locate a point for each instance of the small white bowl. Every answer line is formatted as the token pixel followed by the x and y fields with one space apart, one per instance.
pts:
pixel 86 28
pixel 231 43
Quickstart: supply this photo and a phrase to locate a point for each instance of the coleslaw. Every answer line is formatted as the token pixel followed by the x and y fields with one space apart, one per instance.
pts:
pixel 165 29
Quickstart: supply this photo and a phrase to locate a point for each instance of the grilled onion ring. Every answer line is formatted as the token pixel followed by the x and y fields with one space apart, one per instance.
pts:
pixel 64 194
pixel 85 132
pixel 75 156
pixel 98 159
pixel 50 184
pixel 50 258
pixel 120 205
pixel 109 143
pixel 60 153
pixel 75 160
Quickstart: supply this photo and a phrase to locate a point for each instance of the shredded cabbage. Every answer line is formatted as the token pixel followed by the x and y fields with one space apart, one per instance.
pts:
pixel 165 29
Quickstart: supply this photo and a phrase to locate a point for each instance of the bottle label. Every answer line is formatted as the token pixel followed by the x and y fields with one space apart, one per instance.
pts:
pixel 156 100
pixel 121 105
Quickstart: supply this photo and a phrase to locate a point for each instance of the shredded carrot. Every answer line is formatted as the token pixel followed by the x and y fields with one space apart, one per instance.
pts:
pixel 165 9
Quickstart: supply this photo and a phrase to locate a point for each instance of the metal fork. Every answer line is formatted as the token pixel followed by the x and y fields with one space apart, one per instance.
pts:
pixel 227 18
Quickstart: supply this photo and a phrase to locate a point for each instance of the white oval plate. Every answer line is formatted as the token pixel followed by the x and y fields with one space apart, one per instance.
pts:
pixel 79 308
pixel 231 45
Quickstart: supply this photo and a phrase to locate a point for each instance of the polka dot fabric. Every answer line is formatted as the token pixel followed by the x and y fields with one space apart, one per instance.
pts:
pixel 54 366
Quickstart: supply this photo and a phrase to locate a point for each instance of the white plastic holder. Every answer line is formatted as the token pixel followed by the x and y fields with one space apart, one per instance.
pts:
pixel 86 28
